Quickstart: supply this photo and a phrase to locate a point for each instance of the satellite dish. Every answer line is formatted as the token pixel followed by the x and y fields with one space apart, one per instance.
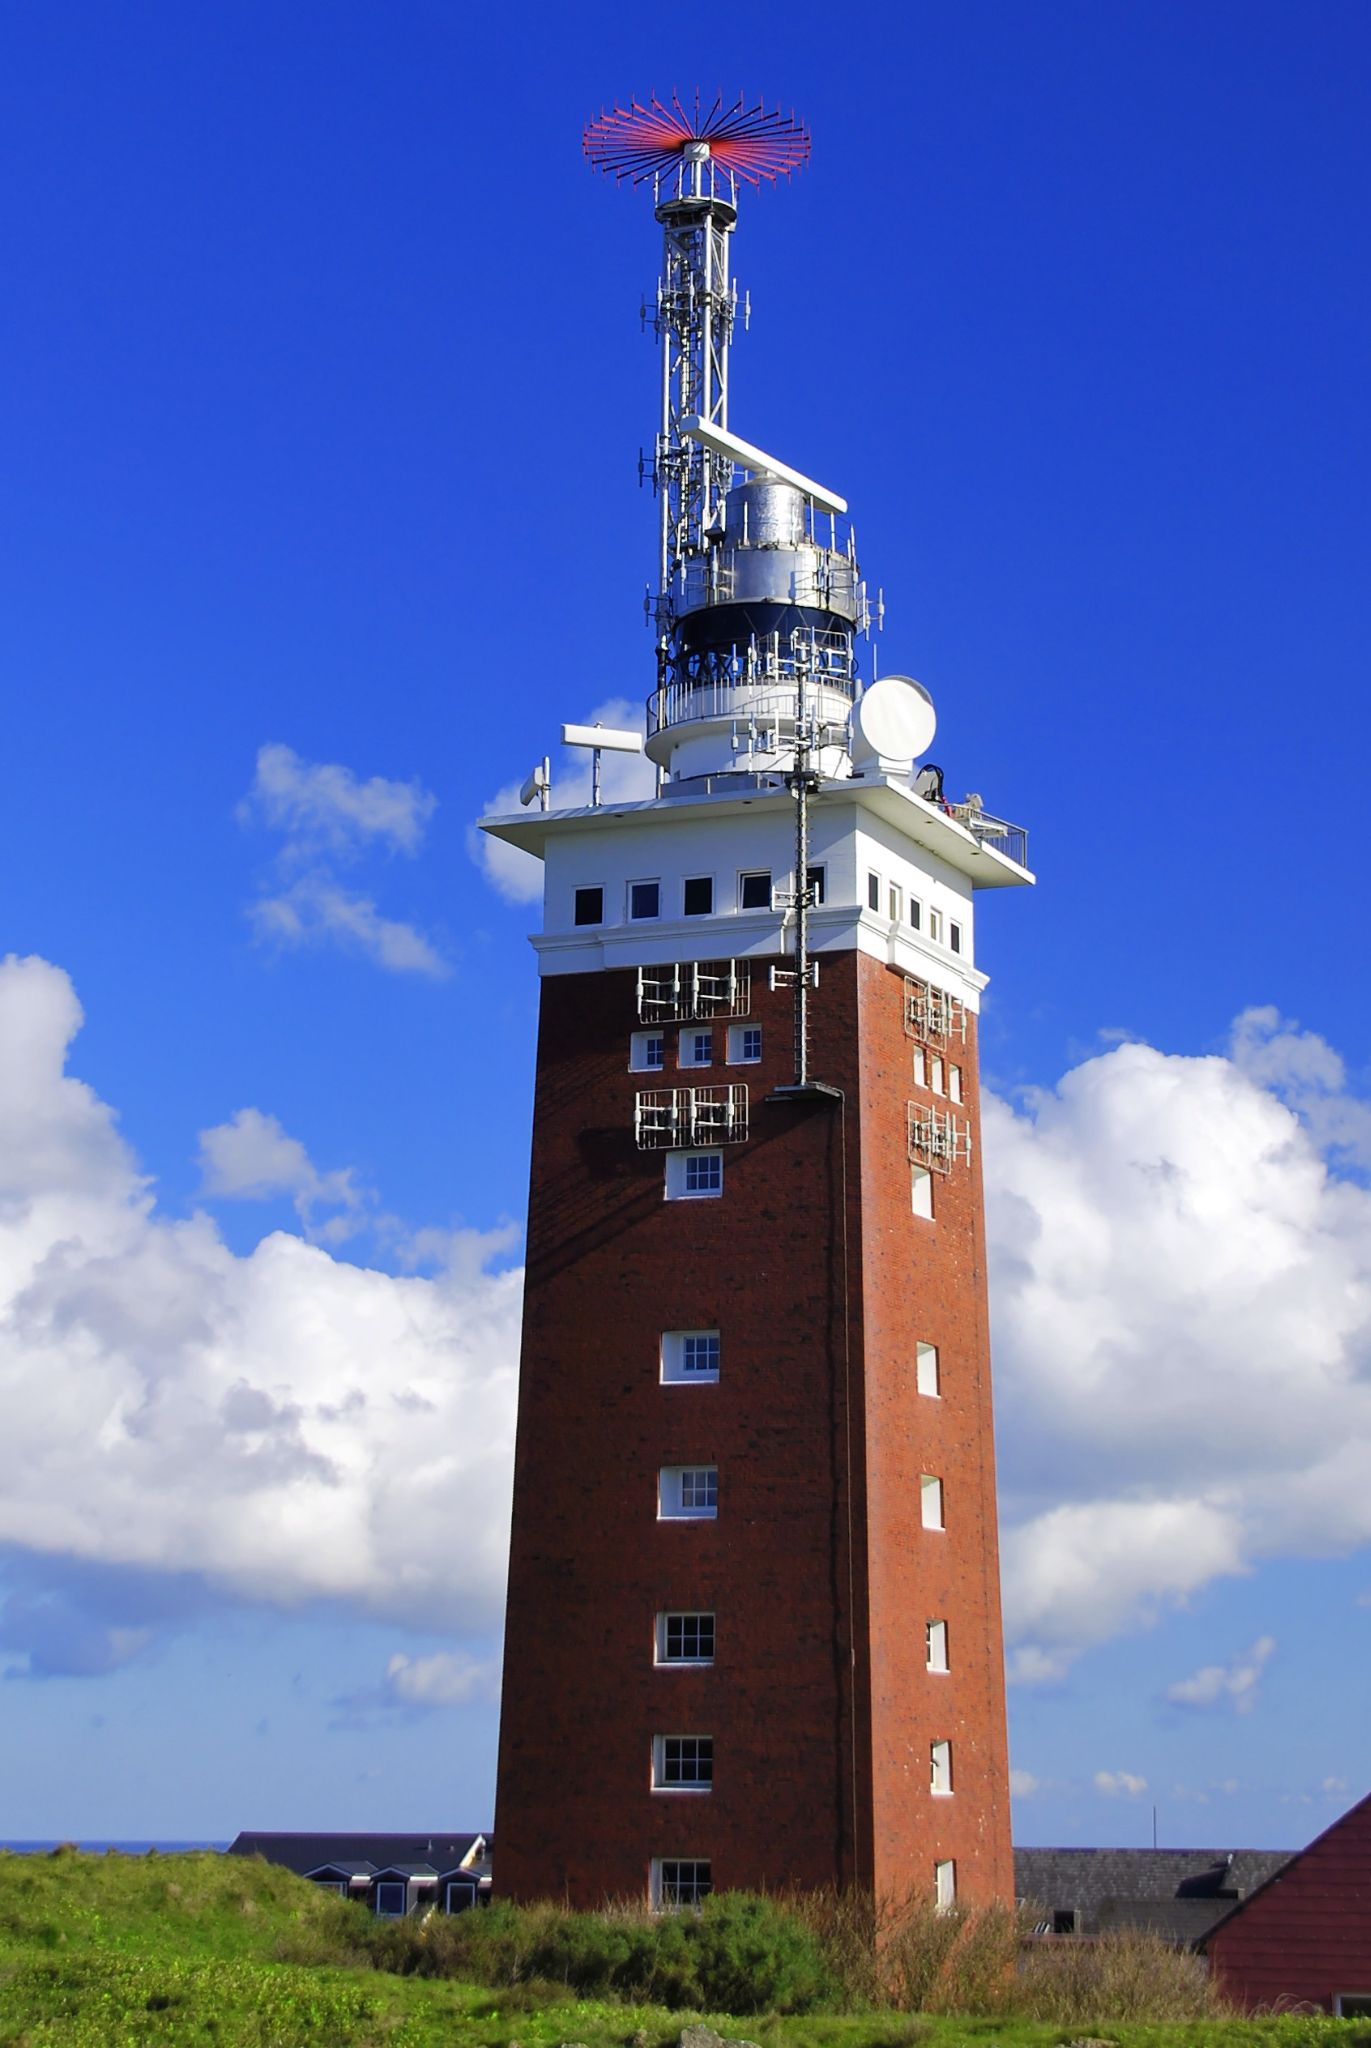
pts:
pixel 892 721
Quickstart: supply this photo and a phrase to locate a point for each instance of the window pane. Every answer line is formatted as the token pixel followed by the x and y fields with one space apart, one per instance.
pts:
pixel 699 896
pixel 955 937
pixel 704 1172
pixel 818 882
pixel 873 892
pixel 702 1353
pixel 916 913
pixel 754 892
pixel 590 906
pixel 687 1639
pixel 644 899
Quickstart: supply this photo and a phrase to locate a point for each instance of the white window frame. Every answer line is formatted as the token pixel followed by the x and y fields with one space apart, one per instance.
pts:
pixel 687 1787
pixel 390 1884
pixel 746 875
pixel 817 876
pixel 671 1489
pixel 954 934
pixel 920 1059
pixel 638 1061
pixel 921 1192
pixel 587 924
pixel 873 891
pixel 676 1350
pixel 657 1882
pixel 945 1884
pixel 692 1036
pixel 1361 2000
pixel 642 882
pixel 661 1634
pixel 940 1769
pixel 469 1889
pixel 932 1505
pixel 937 1072
pixel 928 1370
pixel 935 1647
pixel 935 926
pixel 678 1175
pixel 737 1040
pixel 894 903
pixel 954 1082
pixel 713 893
pixel 916 914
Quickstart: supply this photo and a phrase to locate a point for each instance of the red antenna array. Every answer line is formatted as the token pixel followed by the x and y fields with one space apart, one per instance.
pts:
pixel 638 143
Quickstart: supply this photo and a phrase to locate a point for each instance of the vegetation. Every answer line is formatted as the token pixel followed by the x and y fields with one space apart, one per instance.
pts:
pixel 115 1952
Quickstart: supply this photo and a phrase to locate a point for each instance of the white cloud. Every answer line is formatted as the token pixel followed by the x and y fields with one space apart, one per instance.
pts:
pixel 1023 1784
pixel 320 804
pixel 285 1425
pixel 327 817
pixel 1232 1684
pixel 251 1158
pixel 625 778
pixel 1181 1305
pixel 1333 1786
pixel 1119 1784
pixel 441 1680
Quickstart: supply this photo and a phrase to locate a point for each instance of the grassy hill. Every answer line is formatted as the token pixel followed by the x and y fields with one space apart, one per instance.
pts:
pixel 104 1951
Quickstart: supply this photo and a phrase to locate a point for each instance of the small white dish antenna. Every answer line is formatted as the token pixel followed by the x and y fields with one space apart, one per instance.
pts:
pixel 892 723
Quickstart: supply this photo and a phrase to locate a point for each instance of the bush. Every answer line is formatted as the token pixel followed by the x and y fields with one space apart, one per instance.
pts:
pixel 752 1955
pixel 1126 1975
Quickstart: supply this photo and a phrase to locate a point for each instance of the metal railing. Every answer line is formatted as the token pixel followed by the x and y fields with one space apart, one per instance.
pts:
pixel 932 1013
pixel 937 1139
pixel 692 989
pixel 1010 840
pixel 666 1119
pixel 764 705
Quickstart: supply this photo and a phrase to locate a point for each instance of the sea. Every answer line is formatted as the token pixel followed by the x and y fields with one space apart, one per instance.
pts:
pixel 103 1847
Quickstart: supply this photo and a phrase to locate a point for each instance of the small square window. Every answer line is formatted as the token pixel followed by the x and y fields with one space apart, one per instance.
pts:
pixel 744 1044
pixel 921 1193
pixel 675 1881
pixel 694 1176
pixel 916 914
pixel 873 892
pixel 688 1493
pixel 682 1763
pixel 754 891
pixel 818 882
pixel 590 906
pixel 940 1769
pixel 644 899
pixel 392 1900
pixel 954 937
pixel 690 1355
pixel 698 896
pixel 935 926
pixel 931 1502
pixel 685 1638
pixel 647 1052
pixel 936 1638
pixel 954 1083
pixel 926 1369
pixel 895 903
pixel 696 1049
pixel 945 1884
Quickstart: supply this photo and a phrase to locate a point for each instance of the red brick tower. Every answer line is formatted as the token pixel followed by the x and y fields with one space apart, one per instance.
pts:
pixel 753 1630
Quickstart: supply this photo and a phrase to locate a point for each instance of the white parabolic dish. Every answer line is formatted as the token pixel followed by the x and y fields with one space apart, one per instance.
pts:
pixel 894 721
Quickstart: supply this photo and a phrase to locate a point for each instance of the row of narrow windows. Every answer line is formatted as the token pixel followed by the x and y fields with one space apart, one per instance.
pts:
pixel 676 1881
pixel 889 899
pixel 740 1045
pixel 939 1075
pixel 646 899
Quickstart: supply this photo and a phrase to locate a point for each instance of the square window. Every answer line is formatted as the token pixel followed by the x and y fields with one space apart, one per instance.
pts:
pixel 744 1044
pixel 696 1049
pixel 926 1369
pixel 754 891
pixel 694 1176
pixel 682 1763
pixel 676 1881
pixel 931 1502
pixel 916 914
pixel 954 1083
pixel 945 1884
pixel 392 1900
pixel 644 899
pixel 690 1355
pixel 688 1493
pixel 895 903
pixel 940 1769
pixel 873 892
pixel 935 926
pixel 685 1638
pixel 921 1192
pixel 698 896
pixel 954 937
pixel 936 1637
pixel 647 1052
pixel 589 906
pixel 1065 1921
pixel 818 882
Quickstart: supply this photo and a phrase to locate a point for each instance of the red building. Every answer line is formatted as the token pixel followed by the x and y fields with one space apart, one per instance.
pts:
pixel 1304 1937
pixel 753 1630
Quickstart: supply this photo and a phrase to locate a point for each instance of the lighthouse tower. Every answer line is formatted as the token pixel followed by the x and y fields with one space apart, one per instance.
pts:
pixel 753 1632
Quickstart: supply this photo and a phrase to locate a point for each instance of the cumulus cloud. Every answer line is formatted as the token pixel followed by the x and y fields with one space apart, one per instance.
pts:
pixel 625 778
pixel 1022 1784
pixel 1119 1784
pixel 251 1158
pixel 326 818
pixel 1231 1685
pixel 444 1679
pixel 1181 1307
pixel 283 1427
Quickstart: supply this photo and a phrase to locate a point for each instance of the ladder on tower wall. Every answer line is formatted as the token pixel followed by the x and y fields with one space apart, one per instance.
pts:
pixel 932 1013
pixel 692 989
pixel 667 1119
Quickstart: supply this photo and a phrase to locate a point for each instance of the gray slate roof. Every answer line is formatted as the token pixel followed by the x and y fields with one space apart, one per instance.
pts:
pixel 302 1853
pixel 1177 1893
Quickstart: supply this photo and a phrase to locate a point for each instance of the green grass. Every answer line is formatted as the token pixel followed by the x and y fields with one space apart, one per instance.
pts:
pixel 116 1951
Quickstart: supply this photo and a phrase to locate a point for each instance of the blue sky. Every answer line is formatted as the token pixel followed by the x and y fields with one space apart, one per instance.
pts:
pixel 323 398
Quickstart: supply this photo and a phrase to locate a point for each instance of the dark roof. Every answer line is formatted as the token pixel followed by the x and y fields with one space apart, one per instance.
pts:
pixel 1177 1893
pixel 342 1867
pixel 421 1871
pixel 305 1853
